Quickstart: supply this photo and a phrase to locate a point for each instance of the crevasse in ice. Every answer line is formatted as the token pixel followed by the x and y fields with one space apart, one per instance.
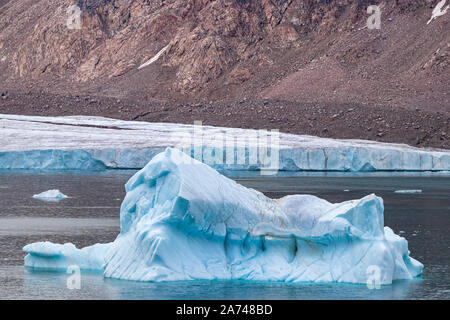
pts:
pixel 182 220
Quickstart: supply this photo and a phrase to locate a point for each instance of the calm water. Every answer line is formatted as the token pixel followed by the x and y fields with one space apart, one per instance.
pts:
pixel 91 215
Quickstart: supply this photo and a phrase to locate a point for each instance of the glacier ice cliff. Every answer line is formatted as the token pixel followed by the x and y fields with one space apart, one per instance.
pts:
pixel 96 143
pixel 182 220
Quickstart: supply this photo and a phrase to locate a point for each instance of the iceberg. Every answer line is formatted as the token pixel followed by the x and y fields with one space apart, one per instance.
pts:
pixel 182 220
pixel 97 143
pixel 50 195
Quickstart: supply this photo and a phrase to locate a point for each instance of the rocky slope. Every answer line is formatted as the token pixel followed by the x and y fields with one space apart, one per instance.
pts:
pixel 291 53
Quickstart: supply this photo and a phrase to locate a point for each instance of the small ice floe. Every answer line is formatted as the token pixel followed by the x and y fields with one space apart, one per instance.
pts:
pixel 179 212
pixel 439 10
pixel 50 195
pixel 408 191
pixel 156 57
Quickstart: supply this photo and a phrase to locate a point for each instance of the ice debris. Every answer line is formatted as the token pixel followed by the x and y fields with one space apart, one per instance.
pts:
pixel 408 191
pixel 182 220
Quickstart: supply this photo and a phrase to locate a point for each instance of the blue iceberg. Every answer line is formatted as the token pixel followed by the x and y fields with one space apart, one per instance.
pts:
pixel 50 195
pixel 182 220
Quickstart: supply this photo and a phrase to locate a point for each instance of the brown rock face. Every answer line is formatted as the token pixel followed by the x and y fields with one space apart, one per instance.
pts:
pixel 265 46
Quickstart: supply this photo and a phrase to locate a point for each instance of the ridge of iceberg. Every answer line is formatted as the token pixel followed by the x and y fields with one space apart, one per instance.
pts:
pixel 182 220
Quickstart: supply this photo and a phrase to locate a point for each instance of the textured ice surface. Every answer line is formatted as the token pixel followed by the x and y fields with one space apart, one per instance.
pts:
pixel 52 195
pixel 182 220
pixel 94 143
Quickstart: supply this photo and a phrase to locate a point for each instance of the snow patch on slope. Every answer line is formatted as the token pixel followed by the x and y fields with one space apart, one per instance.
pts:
pixel 439 10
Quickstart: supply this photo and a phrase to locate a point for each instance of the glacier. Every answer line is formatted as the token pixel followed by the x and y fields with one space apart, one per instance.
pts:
pixel 50 195
pixel 97 143
pixel 183 220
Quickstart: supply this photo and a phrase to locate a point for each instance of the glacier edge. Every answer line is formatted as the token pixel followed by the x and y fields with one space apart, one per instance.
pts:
pixel 96 143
